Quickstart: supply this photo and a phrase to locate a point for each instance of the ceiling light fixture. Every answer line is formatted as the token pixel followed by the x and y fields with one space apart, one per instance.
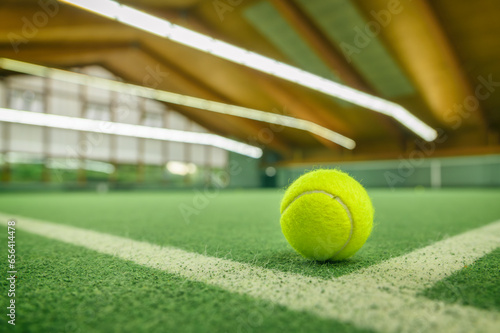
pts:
pixel 136 131
pixel 163 28
pixel 178 99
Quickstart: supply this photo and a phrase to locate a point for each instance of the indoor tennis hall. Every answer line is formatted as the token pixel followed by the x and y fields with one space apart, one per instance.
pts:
pixel 250 166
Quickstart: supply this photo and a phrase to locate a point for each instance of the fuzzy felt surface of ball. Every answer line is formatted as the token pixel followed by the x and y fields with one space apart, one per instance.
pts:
pixel 326 215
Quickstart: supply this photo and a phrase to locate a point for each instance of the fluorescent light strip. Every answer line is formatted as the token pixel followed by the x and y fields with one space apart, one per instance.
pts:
pixel 163 28
pixel 173 98
pixel 137 131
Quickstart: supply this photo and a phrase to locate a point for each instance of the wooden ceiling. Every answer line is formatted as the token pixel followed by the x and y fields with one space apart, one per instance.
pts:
pixel 445 51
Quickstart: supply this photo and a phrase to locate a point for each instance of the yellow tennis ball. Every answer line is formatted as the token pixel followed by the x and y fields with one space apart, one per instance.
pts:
pixel 326 215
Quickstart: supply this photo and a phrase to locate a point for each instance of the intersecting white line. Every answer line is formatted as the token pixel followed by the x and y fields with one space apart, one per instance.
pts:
pixel 380 297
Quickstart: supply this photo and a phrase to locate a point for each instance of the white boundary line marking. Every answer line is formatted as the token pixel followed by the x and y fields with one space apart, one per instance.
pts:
pixel 422 268
pixel 366 302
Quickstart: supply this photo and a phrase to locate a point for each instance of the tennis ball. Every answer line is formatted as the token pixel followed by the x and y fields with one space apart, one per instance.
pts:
pixel 326 215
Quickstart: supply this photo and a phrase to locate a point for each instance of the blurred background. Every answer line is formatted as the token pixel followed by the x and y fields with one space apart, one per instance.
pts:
pixel 437 60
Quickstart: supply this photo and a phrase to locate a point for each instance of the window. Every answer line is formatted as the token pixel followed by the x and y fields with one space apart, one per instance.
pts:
pixel 98 112
pixel 153 119
pixel 26 100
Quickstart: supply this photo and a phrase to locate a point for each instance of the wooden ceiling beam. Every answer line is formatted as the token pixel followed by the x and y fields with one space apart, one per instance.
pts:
pixel 55 54
pixel 177 4
pixel 449 53
pixel 417 40
pixel 92 33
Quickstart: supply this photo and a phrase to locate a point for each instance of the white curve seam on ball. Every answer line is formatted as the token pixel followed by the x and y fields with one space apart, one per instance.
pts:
pixel 340 202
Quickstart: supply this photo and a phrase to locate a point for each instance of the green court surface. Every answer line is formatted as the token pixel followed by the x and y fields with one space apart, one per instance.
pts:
pixel 62 287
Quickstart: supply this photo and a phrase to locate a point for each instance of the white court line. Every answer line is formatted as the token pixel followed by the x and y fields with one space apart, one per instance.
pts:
pixel 355 298
pixel 422 268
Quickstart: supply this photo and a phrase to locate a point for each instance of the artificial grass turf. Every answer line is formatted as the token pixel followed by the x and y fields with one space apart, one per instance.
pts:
pixel 477 285
pixel 65 288
pixel 244 225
